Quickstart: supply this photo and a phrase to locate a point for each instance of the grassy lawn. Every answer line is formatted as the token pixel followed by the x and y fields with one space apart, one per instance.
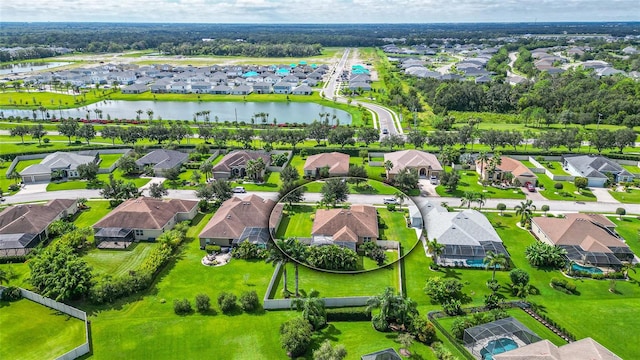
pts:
pixel 338 285
pixel 106 160
pixel 296 223
pixel 49 333
pixel 629 229
pixel 393 227
pixel 469 182
pixel 97 209
pixel 103 178
pixel 118 262
pixel 555 167
pixel 568 191
pixel 527 163
pixel 631 196
pixel 632 169
pixel 370 187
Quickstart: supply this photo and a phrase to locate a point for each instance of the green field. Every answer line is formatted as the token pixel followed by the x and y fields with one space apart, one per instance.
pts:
pixel 568 192
pixel 469 182
pixel 34 331
pixel 631 196
pixel 118 262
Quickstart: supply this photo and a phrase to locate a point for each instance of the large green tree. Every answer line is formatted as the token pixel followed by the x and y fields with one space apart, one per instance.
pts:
pixel 335 191
pixel 60 274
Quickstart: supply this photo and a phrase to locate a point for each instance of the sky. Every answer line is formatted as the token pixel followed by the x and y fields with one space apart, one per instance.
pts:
pixel 318 11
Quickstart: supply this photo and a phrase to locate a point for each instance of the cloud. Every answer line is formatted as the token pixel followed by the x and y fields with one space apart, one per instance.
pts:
pixel 322 11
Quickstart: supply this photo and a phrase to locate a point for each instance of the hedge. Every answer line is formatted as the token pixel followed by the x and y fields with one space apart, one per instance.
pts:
pixel 358 313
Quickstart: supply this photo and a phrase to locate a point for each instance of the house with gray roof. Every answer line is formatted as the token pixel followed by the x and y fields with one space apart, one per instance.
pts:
pixel 242 89
pixel 302 90
pixel 135 89
pixel 467 235
pixel 23 227
pixel 595 168
pixel 65 164
pixel 283 87
pixel 162 160
pixel 262 88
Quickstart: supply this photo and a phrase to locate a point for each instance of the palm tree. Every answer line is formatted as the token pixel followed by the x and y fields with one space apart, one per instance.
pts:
pixel 525 210
pixel 297 251
pixel 469 197
pixel 436 249
pixel 312 308
pixel 150 115
pixel 483 158
pixel 388 165
pixel 481 199
pixel 494 260
pixel 139 112
pixel 625 269
pixel 277 256
pixel 4 277
pixel 401 197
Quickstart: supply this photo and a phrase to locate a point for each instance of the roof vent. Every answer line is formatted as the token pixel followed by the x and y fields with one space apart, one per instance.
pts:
pixel 228 216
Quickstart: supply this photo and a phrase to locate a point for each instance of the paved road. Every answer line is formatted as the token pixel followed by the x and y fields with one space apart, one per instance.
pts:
pixel 387 119
pixel 554 205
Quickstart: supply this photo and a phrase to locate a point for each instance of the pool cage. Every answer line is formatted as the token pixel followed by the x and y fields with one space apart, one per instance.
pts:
pixel 497 337
pixel 600 259
pixel 470 255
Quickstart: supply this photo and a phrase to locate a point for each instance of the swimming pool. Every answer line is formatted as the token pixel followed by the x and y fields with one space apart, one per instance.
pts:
pixel 497 346
pixel 475 263
pixel 587 269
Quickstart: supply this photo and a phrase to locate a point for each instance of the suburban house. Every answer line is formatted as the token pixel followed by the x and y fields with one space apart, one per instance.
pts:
pixel 586 348
pixel 589 239
pixel 507 165
pixel 467 236
pixel 234 164
pixel 386 354
pixel 135 89
pixel 250 219
pixel 262 88
pixel 143 218
pixel 345 227
pixel 65 163
pixel 162 160
pixel 595 168
pixel 426 164
pixel 23 227
pixel 302 90
pixel 337 163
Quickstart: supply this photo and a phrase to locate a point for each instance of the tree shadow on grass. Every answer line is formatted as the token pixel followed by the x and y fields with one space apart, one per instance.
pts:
pixel 450 273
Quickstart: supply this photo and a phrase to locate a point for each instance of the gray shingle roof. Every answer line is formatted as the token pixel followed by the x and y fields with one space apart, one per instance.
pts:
pixel 58 160
pixel 595 166
pixel 163 159
pixel 468 227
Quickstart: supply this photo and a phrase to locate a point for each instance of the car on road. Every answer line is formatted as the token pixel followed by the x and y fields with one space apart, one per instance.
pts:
pixel 239 190
pixel 390 201
pixel 385 131
pixel 530 187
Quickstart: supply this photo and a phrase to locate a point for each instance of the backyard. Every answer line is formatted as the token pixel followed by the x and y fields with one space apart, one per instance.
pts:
pixel 393 226
pixel 34 331
pixel 469 182
pixel 118 262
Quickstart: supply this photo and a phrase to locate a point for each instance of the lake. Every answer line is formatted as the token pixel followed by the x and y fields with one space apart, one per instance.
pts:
pixel 29 66
pixel 292 112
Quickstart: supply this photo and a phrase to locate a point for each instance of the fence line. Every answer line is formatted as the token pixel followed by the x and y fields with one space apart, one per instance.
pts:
pixel 78 351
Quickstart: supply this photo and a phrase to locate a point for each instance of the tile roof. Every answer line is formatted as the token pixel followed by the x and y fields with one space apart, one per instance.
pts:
pixel 240 158
pixel 361 220
pixel 163 159
pixel 412 159
pixel 582 349
pixel 145 213
pixel 236 214
pixel 581 230
pixel 338 163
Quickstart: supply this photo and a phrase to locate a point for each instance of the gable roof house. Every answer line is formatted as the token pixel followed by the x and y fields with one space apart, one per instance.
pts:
pixel 338 164
pixel 345 227
pixel 426 164
pixel 589 239
pixel 283 87
pixel 507 165
pixel 23 227
pixel 467 235
pixel 65 163
pixel 237 220
pixel 135 89
pixel 262 88
pixel 302 90
pixel 595 169
pixel 233 165
pixel 162 160
pixel 143 218
pixel 586 348
pixel 243 89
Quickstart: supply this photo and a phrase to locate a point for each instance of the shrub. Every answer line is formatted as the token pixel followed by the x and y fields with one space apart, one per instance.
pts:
pixel 46 140
pixel 203 303
pixel 247 251
pixel 519 276
pixel 249 301
pixel 227 301
pixel 14 187
pixel 349 314
pixel 181 307
pixel 441 352
pixel 391 207
pixel 581 182
pixel 422 330
pixel 11 293
pixel 558 186
pixel 295 336
pixel 211 249
pixel 452 307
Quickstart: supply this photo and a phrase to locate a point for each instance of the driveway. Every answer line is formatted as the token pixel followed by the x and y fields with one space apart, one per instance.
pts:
pixel 154 180
pixel 534 196
pixel 33 188
pixel 603 195
pixel 426 188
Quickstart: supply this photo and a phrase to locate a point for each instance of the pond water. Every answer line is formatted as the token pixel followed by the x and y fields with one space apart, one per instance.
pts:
pixel 29 66
pixel 292 112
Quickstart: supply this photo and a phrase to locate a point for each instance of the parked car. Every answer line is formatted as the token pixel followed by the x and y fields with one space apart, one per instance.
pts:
pixel 390 201
pixel 530 187
pixel 434 180
pixel 385 131
pixel 239 190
